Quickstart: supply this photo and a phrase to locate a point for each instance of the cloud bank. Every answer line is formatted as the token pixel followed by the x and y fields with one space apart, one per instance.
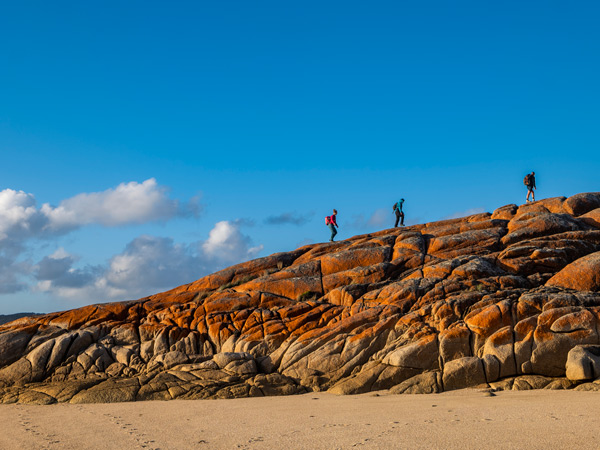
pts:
pixel 147 265
pixel 127 204
pixel 22 221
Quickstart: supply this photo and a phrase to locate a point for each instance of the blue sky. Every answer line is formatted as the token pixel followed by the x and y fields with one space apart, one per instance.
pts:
pixel 145 144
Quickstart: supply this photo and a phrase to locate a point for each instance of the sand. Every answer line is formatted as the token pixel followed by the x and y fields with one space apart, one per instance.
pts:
pixel 460 419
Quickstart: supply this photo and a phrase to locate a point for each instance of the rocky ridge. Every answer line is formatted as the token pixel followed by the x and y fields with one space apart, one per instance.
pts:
pixel 5 318
pixel 508 300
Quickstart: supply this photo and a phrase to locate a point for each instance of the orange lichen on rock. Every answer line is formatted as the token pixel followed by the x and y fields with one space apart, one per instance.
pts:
pixel 582 274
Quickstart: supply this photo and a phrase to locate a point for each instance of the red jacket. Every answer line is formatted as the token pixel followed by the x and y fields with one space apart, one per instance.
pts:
pixel 332 217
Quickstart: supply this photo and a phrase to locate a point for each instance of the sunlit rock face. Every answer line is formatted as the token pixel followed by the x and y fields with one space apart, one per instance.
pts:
pixel 509 300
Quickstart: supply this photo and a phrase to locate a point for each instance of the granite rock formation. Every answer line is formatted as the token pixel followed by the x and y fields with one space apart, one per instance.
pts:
pixel 5 318
pixel 509 300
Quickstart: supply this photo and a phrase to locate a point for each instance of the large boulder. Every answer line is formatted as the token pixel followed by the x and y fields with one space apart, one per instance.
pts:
pixel 592 218
pixel 579 204
pixel 425 383
pixel 583 363
pixel 463 372
pixel 535 224
pixel 582 274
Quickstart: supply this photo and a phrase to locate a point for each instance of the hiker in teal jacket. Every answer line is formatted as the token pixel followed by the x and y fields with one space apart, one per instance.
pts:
pixel 399 212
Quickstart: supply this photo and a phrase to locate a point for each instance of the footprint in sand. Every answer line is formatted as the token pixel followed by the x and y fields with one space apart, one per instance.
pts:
pixel 330 425
pixel 25 422
pixel 142 440
pixel 250 441
pixel 33 430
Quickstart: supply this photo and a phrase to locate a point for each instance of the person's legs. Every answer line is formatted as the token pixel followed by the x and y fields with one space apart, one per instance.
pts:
pixel 333 232
pixel 397 218
pixel 529 192
pixel 402 222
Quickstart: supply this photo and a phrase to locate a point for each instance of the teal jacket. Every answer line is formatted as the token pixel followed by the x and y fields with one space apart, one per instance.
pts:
pixel 398 206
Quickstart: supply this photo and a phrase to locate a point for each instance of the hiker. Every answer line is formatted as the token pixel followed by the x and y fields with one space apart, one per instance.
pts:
pixel 529 181
pixel 399 213
pixel 331 223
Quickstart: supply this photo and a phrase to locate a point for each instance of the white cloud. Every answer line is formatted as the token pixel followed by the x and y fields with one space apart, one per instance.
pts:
pixel 151 262
pixel 128 203
pixel 19 217
pixel 13 275
pixel 21 221
pixel 57 270
pixel 226 244
pixel 148 265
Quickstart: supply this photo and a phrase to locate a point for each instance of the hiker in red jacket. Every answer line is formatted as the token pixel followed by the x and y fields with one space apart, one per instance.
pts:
pixel 332 224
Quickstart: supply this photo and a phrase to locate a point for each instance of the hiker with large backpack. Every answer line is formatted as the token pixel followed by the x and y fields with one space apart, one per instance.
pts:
pixel 399 213
pixel 529 181
pixel 332 224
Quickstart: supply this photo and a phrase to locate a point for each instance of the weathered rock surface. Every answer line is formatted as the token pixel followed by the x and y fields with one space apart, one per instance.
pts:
pixel 582 274
pixel 583 363
pixel 5 318
pixel 508 300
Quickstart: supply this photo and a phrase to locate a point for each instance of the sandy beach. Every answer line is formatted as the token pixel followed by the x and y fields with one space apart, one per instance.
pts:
pixel 460 419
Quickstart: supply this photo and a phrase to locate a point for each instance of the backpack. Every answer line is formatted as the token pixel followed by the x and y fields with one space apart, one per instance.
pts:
pixel 327 220
pixel 395 206
pixel 527 179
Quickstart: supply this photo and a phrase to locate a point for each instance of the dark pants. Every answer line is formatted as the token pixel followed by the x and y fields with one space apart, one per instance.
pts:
pixel 398 215
pixel 333 231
